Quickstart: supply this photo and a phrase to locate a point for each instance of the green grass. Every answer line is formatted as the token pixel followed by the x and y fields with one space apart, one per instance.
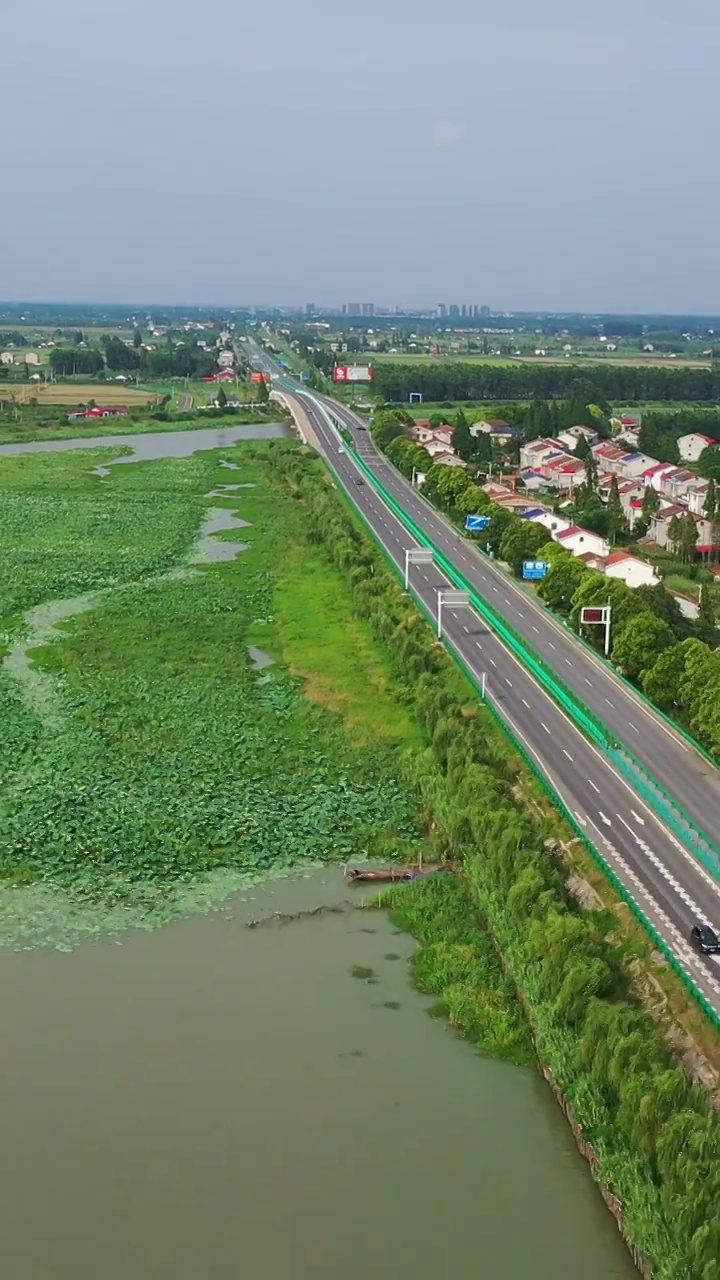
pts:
pixel 326 644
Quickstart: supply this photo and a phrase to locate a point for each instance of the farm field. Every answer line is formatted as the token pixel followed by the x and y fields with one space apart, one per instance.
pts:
pixel 72 393
pixel 469 357
pixel 164 773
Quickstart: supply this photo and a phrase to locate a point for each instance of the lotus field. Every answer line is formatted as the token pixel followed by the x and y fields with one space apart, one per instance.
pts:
pixel 149 761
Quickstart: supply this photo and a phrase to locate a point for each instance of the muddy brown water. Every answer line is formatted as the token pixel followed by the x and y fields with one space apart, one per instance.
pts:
pixel 210 1102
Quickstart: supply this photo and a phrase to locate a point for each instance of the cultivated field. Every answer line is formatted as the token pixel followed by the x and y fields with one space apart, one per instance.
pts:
pixel 472 357
pixel 74 393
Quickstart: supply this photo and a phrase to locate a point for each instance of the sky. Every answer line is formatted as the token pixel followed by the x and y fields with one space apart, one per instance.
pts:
pixel 529 156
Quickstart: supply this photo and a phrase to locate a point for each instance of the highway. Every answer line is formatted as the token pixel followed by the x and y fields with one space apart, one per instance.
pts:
pixel 658 871
pixel 685 774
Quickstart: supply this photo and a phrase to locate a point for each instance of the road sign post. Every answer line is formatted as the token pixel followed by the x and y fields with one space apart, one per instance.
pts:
pixel 598 616
pixel 450 600
pixel 416 555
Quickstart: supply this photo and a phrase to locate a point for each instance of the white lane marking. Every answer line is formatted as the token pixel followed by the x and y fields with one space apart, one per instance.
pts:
pixel 588 681
pixel 536 630
pixel 545 727
pixel 552 646
pixel 632 726
pixel 520 615
pixel 508 602
pixel 610 704
pixel 637 818
pixel 526 703
pixel 677 888
pixel 493 662
pixel 508 682
pixel 592 784
pixel 567 753
pixel 496 588
pixel 478 644
pixel 466 628
pixel 568 662
pixel 607 821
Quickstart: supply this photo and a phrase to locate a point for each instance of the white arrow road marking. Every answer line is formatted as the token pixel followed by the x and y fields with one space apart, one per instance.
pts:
pixel 581 820
pixel 637 818
pixel 607 821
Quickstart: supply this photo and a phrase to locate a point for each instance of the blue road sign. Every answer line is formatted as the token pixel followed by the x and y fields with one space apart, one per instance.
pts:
pixel 473 523
pixel 534 568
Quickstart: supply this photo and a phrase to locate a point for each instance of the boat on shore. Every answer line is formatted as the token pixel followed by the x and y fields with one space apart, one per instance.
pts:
pixel 394 875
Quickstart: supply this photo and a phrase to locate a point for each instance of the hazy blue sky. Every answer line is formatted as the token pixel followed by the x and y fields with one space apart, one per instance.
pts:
pixel 527 154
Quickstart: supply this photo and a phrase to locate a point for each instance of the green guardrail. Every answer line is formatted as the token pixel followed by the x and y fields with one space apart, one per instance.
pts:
pixel 554 795
pixel 621 756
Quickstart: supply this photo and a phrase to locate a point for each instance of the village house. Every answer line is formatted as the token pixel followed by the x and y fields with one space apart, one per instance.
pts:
pixel 630 569
pixel 660 526
pixel 500 432
pixel 577 541
pixel 691 446
pixel 573 435
pixel 7 357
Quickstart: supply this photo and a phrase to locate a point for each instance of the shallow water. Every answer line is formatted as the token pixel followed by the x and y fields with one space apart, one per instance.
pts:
pixel 212 1101
pixel 160 444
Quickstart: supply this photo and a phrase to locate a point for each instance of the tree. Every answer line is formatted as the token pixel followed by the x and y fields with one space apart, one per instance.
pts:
pixel 639 643
pixel 221 398
pixel 706 621
pixel 688 537
pixel 386 426
pixel 462 441
pixel 522 541
pixel 263 392
pixel 709 462
pixel 561 582
pixel 650 503
pixel 674 534
pixel 710 505
pixel 582 448
pixel 615 516
pixel 500 521
pixel 661 681
pixel 137 339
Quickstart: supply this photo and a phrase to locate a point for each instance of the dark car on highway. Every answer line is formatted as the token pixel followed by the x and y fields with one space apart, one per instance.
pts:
pixel 705 939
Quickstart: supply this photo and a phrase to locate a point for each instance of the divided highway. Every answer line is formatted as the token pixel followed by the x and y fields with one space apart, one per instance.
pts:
pixel 667 883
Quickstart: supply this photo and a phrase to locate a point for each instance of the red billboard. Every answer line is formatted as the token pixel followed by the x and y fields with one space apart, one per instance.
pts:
pixel 258 377
pixel 352 373
pixel 589 614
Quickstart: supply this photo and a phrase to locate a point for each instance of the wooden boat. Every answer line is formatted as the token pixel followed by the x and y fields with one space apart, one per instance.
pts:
pixel 394 875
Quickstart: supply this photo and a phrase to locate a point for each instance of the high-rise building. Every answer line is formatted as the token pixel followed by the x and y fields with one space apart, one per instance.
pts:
pixel 484 311
pixel 353 309
pixel 368 308
pixel 309 308
pixel 454 311
pixel 442 310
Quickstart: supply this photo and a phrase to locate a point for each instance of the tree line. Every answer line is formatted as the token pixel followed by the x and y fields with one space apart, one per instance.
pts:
pixel 465 380
pixel 168 361
pixel 656 1137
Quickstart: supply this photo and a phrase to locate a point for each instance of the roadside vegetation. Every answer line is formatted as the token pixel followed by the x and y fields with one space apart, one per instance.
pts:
pixel 653 1133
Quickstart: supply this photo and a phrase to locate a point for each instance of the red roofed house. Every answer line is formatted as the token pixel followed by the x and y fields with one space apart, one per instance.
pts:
pixel 631 570
pixel 577 541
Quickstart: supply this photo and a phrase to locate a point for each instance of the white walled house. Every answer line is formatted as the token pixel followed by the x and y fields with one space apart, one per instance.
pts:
pixel 577 541
pixel 631 570
pixel 7 357
pixel 691 446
